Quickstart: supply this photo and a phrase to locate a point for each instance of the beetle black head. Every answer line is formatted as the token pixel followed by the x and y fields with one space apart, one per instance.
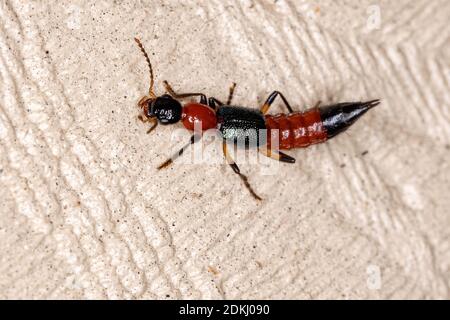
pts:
pixel 165 108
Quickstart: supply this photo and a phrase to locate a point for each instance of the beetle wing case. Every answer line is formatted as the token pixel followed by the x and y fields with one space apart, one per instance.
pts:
pixel 242 126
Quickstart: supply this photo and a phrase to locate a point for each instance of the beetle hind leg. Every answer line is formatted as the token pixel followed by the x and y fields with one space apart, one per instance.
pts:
pixel 277 155
pixel 271 99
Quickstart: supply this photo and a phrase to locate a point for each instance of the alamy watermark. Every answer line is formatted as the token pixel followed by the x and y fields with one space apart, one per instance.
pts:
pixel 374 280
pixel 374 18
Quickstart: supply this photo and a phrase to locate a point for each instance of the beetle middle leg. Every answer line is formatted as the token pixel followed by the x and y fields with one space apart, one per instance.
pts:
pixel 213 101
pixel 184 95
pixel 231 93
pixel 194 138
pixel 271 99
pixel 236 170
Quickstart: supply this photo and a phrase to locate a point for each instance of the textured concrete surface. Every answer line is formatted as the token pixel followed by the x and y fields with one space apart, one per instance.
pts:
pixel 85 214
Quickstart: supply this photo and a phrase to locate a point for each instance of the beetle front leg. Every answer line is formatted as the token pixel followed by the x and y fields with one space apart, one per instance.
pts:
pixel 152 120
pixel 194 138
pixel 184 95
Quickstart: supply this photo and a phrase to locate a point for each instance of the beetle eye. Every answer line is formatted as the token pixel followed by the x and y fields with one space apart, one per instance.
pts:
pixel 148 108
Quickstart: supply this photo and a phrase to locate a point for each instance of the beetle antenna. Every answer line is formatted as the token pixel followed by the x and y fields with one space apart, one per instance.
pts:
pixel 152 81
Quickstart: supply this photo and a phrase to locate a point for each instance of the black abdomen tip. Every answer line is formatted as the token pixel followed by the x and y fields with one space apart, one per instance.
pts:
pixel 338 117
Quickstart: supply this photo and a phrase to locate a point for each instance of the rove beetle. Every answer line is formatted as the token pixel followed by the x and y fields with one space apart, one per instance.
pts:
pixel 235 123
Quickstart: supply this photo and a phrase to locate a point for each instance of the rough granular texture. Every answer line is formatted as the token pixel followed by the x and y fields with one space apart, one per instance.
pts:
pixel 85 213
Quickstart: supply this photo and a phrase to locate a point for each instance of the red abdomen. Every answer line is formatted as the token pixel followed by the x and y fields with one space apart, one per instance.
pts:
pixel 296 130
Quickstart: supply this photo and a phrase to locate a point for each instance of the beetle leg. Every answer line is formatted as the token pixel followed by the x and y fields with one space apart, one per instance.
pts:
pixel 230 95
pixel 194 139
pixel 142 118
pixel 236 170
pixel 155 123
pixel 143 102
pixel 270 100
pixel 184 95
pixel 152 120
pixel 280 156
pixel 213 101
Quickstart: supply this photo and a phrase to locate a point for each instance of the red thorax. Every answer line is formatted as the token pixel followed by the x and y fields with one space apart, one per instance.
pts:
pixel 196 114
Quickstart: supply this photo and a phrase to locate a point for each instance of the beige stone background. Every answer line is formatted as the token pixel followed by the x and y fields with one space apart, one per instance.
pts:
pixel 85 214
